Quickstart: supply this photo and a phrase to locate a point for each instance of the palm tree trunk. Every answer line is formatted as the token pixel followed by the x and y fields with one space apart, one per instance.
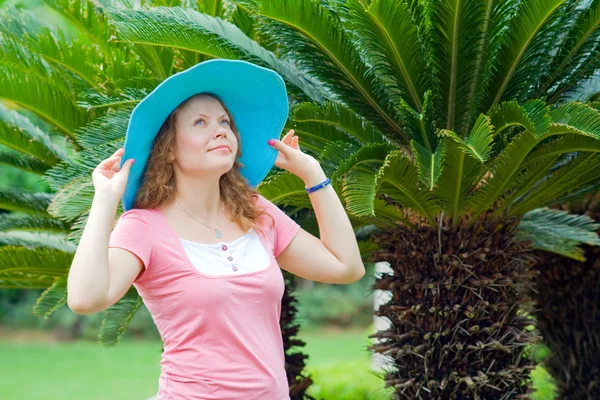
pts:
pixel 567 295
pixel 568 317
pixel 459 328
pixel 294 360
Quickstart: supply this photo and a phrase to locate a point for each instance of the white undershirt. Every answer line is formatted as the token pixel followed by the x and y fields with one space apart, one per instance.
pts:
pixel 246 253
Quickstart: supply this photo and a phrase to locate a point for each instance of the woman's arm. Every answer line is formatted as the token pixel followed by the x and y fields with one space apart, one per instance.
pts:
pixel 335 257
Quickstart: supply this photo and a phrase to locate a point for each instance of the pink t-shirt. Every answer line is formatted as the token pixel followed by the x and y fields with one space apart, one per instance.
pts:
pixel 221 333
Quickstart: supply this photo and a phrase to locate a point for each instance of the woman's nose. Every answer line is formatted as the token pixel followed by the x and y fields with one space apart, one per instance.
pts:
pixel 221 132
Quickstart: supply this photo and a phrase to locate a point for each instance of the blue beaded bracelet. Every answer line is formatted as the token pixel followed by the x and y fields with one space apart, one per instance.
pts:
pixel 319 186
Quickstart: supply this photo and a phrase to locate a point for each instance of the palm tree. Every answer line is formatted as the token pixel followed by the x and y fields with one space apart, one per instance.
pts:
pixel 567 312
pixel 65 99
pixel 445 124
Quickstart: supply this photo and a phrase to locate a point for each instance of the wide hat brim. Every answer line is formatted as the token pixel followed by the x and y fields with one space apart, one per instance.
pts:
pixel 255 96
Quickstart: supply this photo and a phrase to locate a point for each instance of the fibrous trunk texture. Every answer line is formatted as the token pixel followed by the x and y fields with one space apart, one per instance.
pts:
pixel 458 312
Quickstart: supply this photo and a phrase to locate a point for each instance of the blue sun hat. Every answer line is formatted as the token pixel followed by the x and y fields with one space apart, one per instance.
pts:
pixel 255 96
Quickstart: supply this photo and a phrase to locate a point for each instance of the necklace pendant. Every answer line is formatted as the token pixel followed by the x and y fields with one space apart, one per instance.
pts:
pixel 218 233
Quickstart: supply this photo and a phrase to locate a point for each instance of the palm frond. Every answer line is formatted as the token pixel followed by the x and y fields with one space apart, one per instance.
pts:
pixel 86 17
pixel 18 133
pixel 576 59
pixel 420 126
pixel 336 115
pixel 83 62
pixel 461 171
pixel 455 32
pixel 558 232
pixel 118 317
pixel 398 179
pixel 52 299
pixel 42 97
pixel 42 262
pixel 18 200
pixel 580 172
pixel 108 128
pixel 359 193
pixel 72 199
pixel 286 189
pixel 91 99
pixel 81 166
pixel 496 19
pixel 523 182
pixel 21 161
pixel 336 153
pixel 479 141
pixel 534 116
pixel 189 30
pixel 517 57
pixel 368 158
pixel 32 223
pixel 429 165
pixel 315 39
pixel 568 143
pixel 576 118
pixel 388 38
pixel 32 240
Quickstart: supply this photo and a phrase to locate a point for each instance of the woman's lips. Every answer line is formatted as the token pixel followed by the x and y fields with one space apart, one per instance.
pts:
pixel 221 149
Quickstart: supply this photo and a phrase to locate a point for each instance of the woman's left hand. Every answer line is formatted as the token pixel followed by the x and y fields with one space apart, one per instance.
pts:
pixel 292 159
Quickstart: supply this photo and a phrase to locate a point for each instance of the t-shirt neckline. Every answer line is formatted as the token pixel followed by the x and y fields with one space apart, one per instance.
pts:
pixel 190 265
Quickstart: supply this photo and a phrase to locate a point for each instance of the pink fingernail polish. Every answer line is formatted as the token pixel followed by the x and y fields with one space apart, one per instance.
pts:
pixel 271 142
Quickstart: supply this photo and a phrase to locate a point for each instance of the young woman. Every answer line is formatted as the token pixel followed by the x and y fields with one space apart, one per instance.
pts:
pixel 200 245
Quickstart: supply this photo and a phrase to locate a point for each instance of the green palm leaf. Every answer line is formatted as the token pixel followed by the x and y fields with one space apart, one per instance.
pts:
pixel 18 133
pixel 73 199
pixel 40 96
pixel 17 200
pixel 497 16
pixel 429 165
pixel 314 38
pixel 80 166
pixel 52 299
pixel 285 189
pixel 576 118
pixel 461 171
pixel 83 16
pixel 41 262
pixel 368 158
pixel 390 42
pixel 575 60
pixel 479 142
pixel 558 232
pixel 108 128
pixel 118 317
pixel 398 179
pixel 189 30
pixel 530 19
pixel 33 223
pixel 26 163
pixel 454 34
pixel 579 172
pixel 335 115
pixel 32 240
pixel 563 144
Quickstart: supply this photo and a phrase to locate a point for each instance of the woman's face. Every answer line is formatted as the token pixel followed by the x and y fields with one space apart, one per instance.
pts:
pixel 201 127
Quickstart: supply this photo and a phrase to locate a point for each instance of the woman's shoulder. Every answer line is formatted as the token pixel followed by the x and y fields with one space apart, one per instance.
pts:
pixel 142 216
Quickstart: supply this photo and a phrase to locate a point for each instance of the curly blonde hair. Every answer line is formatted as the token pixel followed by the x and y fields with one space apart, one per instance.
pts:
pixel 158 183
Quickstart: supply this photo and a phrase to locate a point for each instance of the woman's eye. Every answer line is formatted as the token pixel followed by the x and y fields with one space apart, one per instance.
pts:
pixel 198 121
pixel 226 120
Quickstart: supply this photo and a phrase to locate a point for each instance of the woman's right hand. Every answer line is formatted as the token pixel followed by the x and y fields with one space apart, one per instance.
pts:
pixel 109 179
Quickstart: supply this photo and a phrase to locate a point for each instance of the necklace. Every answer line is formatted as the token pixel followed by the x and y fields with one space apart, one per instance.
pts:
pixel 218 233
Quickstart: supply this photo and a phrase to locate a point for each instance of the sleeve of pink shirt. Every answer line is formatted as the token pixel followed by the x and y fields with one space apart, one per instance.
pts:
pixel 132 233
pixel 285 228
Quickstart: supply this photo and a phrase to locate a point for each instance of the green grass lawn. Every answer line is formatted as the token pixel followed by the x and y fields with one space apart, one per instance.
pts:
pixel 338 363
